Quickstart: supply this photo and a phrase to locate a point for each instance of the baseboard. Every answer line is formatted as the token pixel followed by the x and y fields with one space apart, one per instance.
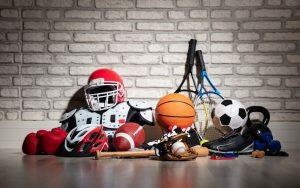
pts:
pixel 13 132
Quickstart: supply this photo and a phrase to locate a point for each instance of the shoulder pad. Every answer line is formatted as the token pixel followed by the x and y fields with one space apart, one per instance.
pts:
pixel 115 117
pixel 147 115
pixel 139 105
pixel 84 116
pixel 68 115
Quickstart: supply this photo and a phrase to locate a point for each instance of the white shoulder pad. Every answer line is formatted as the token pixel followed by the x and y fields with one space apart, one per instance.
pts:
pixel 140 105
pixel 67 115
pixel 115 117
pixel 147 115
pixel 84 116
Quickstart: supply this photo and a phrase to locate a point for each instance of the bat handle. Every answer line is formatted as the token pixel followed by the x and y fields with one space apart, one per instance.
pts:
pixel 118 154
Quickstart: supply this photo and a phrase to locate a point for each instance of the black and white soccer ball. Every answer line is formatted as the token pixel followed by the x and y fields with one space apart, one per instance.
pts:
pixel 230 113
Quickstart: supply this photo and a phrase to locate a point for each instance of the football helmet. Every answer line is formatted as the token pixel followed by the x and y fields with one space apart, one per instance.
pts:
pixel 104 90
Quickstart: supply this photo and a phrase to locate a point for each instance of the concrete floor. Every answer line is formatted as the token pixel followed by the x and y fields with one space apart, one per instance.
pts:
pixel 18 170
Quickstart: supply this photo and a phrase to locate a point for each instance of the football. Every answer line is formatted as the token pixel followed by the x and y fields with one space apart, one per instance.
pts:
pixel 230 113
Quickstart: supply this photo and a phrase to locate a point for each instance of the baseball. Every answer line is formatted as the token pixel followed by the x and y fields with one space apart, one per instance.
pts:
pixel 178 148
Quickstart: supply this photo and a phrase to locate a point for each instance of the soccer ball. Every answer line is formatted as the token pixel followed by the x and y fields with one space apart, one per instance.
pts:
pixel 230 113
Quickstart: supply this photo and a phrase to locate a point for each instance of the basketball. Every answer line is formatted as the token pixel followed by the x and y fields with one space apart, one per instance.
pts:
pixel 128 136
pixel 174 110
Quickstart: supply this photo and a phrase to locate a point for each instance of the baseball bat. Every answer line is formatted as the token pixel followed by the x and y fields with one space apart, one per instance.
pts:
pixel 122 154
pixel 200 151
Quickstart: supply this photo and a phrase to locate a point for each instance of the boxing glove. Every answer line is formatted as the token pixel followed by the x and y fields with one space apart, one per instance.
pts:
pixel 50 141
pixel 31 144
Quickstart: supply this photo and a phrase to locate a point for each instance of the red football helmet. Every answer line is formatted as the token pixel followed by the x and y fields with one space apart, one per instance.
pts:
pixel 104 90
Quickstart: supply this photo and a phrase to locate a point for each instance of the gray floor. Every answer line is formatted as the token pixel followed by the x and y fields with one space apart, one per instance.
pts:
pixel 18 170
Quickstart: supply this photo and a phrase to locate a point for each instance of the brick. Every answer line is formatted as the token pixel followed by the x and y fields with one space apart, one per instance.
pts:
pixel 263 58
pixel 86 47
pixel 84 14
pixel 141 59
pixel 33 115
pixel 54 81
pixel 9 92
pixel 60 104
pixel 1 115
pixel 155 4
pixel 184 47
pixel 57 70
pixel 242 14
pixel 9 70
pixel 173 37
pixel 77 26
pixel 293 58
pixel 6 58
pixel 271 105
pixel 293 105
pixel 220 14
pixel 292 24
pixel 12 36
pixel 156 48
pixel 242 93
pixel 114 3
pixel 110 26
pixel 25 81
pixel 55 115
pixel 126 48
pixel 108 59
pixel 5 81
pixel 245 47
pixel 92 37
pixel 248 36
pixel 247 3
pixel 32 14
pixel 133 37
pixel 2 37
pixel 159 71
pixel 262 25
pixel 37 58
pixel 201 37
pixel 155 26
pixel 268 93
pixel 5 2
pixel 274 82
pixel 154 83
pixel 179 70
pixel 131 71
pixel 55 3
pixel 128 83
pixel 82 81
pixel 246 70
pixel 278 71
pixel 57 47
pixel 82 70
pixel 276 47
pixel 140 15
pixel 225 26
pixel 52 93
pixel 292 2
pixel 32 47
pixel 84 3
pixel 177 15
pixel 53 14
pixel 274 2
pixel 9 24
pixel 193 26
pixel 221 47
pixel 10 47
pixel 32 70
pixel 12 115
pixel 10 104
pixel 9 13
pixel 297 93
pixel 212 3
pixel 292 82
pixel 37 25
pixel 115 15
pixel 281 36
pixel 226 58
pixel 272 13
pixel 33 36
pixel 174 58
pixel 219 70
pixel 188 3
pixel 198 13
pixel 31 92
pixel 78 59
pixel 60 36
pixel 243 81
pixel 145 93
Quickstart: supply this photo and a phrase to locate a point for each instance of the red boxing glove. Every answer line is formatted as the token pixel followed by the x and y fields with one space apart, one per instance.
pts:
pixel 50 141
pixel 31 144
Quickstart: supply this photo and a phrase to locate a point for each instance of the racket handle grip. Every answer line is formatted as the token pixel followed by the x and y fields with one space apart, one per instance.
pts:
pixel 191 51
pixel 200 60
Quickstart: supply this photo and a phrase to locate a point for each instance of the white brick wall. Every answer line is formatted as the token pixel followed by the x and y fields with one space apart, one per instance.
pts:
pixel 48 49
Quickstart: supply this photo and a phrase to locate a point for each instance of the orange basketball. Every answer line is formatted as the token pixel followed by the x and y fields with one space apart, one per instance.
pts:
pixel 175 110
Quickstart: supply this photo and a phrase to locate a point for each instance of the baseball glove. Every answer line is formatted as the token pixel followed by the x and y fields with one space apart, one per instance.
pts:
pixel 164 149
